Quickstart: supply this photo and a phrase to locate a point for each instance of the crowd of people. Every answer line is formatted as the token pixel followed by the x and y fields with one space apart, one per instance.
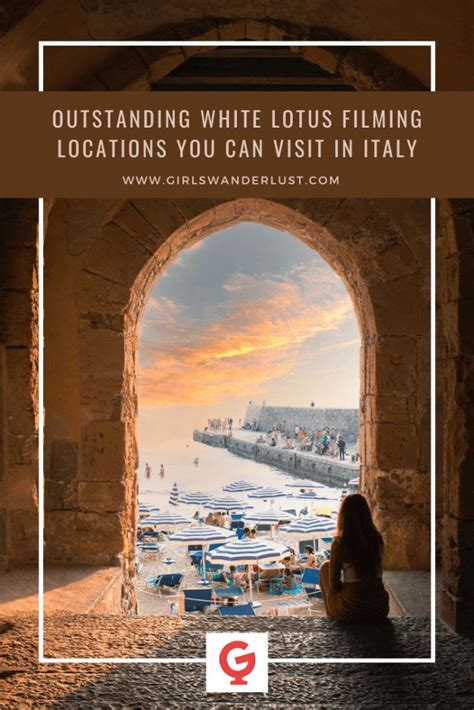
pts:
pixel 222 426
pixel 324 442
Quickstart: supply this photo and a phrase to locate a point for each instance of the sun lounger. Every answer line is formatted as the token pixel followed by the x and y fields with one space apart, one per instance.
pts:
pixel 168 581
pixel 239 610
pixel 310 582
pixel 197 599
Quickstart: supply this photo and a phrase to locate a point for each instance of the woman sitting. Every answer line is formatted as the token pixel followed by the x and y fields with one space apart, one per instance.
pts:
pixel 311 558
pixel 351 581
pixel 234 578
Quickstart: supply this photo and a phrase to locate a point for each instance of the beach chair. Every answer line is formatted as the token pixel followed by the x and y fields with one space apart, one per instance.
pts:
pixel 165 581
pixel 197 599
pixel 310 581
pixel 237 525
pixel 263 527
pixel 236 516
pixel 194 548
pixel 240 533
pixel 238 610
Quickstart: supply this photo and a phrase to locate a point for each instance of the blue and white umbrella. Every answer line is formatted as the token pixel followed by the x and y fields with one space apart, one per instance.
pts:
pixel 240 487
pixel 304 485
pixel 195 498
pixel 267 494
pixel 311 526
pixel 248 552
pixel 166 518
pixel 174 496
pixel 269 517
pixel 226 503
pixel 203 535
pixel 313 496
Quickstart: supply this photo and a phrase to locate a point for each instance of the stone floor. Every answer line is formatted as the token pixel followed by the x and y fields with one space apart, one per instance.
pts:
pixel 23 683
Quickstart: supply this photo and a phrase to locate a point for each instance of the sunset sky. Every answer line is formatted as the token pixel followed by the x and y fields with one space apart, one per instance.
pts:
pixel 249 313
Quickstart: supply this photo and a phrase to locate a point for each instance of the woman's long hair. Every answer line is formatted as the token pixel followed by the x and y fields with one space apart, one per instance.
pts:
pixel 361 542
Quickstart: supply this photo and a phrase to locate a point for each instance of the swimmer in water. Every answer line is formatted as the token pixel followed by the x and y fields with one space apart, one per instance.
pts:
pixel 147 470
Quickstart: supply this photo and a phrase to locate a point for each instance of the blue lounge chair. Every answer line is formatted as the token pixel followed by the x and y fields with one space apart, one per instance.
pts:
pixel 239 610
pixel 310 582
pixel 170 581
pixel 240 533
pixel 197 599
pixel 237 525
pixel 305 543
pixel 194 548
pixel 264 527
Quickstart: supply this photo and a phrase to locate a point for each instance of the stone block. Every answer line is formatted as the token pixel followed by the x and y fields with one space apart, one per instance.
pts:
pixel 167 60
pixel 20 488
pixel 162 214
pixel 99 295
pixel 18 268
pixel 132 221
pixel 459 235
pixel 127 71
pixel 117 256
pixel 60 495
pixel 325 57
pixel 23 533
pixel 400 307
pixel 20 390
pixel 97 496
pixel 232 30
pixel 101 351
pixel 18 316
pixel 83 538
pixel 391 367
pixel 107 451
pixel 392 446
pixel 22 450
pixel 390 408
pixel 63 464
pixel 3 532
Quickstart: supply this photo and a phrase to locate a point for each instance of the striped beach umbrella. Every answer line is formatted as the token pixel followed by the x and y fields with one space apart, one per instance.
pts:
pixel 269 517
pixel 248 552
pixel 166 518
pixel 312 527
pixel 239 487
pixel 195 498
pixel 226 503
pixel 304 485
pixel 312 496
pixel 203 535
pixel 267 494
pixel 174 496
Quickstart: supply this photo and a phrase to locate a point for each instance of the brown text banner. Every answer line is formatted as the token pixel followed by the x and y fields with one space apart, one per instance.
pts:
pixel 236 144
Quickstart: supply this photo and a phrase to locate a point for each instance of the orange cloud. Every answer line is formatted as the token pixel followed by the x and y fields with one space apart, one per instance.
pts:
pixel 256 339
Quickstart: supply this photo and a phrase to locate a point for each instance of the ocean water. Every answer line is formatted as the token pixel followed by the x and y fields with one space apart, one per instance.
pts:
pixel 216 468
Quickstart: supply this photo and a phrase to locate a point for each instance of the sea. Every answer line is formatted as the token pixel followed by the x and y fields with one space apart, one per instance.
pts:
pixel 216 468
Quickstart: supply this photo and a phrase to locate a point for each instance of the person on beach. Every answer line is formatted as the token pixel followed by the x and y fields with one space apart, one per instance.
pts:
pixel 351 580
pixel 289 581
pixel 147 470
pixel 162 471
pixel 341 445
pixel 311 558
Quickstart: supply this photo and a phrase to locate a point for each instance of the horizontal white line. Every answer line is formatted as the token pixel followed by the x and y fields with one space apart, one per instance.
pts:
pixel 235 43
pixel 187 661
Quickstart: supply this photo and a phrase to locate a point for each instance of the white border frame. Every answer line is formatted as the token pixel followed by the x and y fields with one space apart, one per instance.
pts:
pixel 148 661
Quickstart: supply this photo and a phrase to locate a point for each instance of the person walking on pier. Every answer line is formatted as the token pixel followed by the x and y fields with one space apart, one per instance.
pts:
pixel 341 445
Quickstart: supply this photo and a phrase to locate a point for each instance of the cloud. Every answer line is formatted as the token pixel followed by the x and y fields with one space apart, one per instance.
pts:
pixel 256 337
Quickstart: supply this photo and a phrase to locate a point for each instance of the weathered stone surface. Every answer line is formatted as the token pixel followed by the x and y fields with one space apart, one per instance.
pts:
pixel 92 538
pixel 98 496
pixel 63 465
pixel 104 457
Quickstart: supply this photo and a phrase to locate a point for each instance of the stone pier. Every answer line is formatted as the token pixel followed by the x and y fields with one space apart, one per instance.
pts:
pixel 326 470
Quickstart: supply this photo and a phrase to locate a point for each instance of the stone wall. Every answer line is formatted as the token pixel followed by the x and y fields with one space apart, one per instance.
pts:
pixel 330 471
pixel 345 421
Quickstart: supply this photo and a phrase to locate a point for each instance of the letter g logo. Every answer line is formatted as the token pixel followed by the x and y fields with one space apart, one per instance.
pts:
pixel 238 674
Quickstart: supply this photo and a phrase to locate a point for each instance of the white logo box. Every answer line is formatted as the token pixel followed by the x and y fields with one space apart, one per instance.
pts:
pixel 237 663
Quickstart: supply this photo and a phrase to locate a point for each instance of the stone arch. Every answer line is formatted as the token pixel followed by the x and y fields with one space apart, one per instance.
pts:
pixel 115 252
pixel 136 69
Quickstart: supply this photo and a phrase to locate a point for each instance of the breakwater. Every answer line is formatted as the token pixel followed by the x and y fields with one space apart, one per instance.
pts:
pixel 329 471
pixel 265 418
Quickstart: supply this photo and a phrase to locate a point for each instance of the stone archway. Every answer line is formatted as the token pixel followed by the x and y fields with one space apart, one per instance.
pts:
pixel 109 256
